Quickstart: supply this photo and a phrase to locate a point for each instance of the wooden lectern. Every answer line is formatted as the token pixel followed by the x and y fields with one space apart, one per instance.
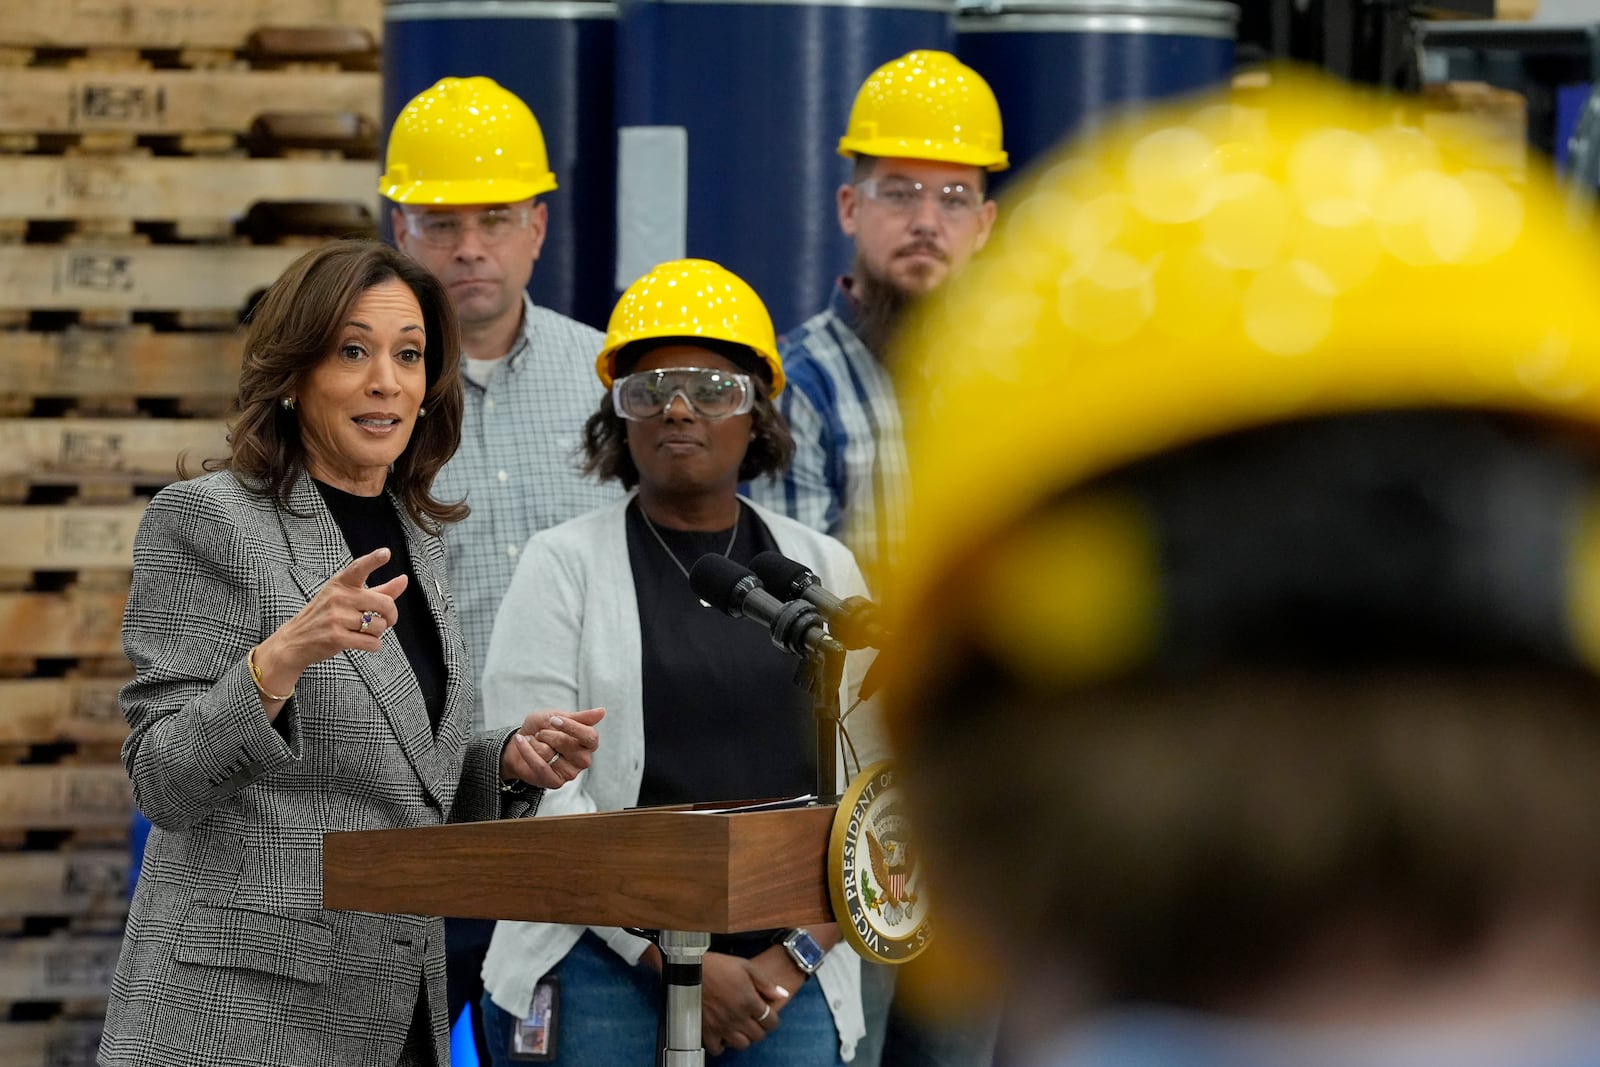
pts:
pixel 688 873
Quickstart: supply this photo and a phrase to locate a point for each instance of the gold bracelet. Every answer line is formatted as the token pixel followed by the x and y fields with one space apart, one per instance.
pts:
pixel 255 676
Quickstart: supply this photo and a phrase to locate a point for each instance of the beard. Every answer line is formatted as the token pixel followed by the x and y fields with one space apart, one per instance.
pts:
pixel 880 307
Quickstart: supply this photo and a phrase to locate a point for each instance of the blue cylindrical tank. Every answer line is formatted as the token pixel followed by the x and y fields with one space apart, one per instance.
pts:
pixel 730 114
pixel 557 56
pixel 1055 64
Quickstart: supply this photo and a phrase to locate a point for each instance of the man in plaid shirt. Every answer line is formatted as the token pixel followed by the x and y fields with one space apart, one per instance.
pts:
pixel 923 133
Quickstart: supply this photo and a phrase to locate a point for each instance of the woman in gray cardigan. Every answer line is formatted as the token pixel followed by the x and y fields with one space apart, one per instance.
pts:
pixel 700 706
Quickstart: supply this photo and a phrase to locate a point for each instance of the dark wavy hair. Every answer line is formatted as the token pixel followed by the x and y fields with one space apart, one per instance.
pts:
pixel 605 434
pixel 294 327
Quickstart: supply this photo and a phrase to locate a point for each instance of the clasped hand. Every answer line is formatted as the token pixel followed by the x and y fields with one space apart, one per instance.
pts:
pixel 551 747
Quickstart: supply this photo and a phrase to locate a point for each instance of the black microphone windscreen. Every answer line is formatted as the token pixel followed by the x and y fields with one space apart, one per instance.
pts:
pixel 781 575
pixel 721 582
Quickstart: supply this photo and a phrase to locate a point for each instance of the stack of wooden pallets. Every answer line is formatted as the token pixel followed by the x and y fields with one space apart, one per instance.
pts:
pixel 161 162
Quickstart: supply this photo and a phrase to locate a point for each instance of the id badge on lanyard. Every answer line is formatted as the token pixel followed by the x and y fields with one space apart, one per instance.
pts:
pixel 533 1038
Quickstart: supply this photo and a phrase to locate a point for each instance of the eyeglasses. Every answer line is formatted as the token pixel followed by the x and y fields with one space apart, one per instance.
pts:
pixel 445 229
pixel 902 196
pixel 711 394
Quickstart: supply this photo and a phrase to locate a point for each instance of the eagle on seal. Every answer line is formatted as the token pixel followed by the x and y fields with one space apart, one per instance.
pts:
pixel 893 865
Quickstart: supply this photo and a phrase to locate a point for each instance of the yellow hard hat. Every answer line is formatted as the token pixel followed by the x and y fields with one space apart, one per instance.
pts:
pixel 1309 250
pixel 691 298
pixel 926 105
pixel 466 141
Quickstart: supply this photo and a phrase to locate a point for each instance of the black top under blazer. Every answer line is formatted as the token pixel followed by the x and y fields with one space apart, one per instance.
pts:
pixel 229 957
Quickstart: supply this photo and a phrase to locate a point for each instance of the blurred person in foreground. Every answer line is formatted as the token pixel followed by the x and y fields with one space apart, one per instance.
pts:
pixel 1269 522
pixel 299 670
pixel 702 707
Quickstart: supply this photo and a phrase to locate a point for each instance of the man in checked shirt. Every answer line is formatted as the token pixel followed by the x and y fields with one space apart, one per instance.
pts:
pixel 923 135
pixel 466 165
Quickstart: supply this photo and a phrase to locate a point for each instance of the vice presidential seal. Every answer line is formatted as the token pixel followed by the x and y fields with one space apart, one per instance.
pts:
pixel 878 898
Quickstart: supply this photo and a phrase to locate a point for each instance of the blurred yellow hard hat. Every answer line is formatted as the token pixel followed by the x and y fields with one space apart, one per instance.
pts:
pixel 926 105
pixel 1308 250
pixel 465 141
pixel 692 299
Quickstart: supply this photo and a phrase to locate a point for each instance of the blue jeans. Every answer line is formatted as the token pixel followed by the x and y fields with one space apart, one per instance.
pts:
pixel 608 1018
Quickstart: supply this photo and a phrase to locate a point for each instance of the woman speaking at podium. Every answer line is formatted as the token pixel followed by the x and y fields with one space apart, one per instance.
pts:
pixel 299 670
pixel 700 706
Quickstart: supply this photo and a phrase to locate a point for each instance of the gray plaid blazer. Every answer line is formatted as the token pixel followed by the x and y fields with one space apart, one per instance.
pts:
pixel 229 957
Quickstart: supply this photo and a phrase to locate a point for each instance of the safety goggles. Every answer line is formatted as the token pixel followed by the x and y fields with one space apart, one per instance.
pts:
pixel 445 230
pixel 902 196
pixel 711 394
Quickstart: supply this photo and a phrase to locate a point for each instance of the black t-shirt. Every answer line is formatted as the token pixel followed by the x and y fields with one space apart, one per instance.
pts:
pixel 368 524
pixel 723 718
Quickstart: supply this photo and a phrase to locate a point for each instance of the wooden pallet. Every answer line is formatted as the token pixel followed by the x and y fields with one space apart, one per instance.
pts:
pixel 64 796
pixel 71 624
pixel 329 135
pixel 90 537
pixel 249 127
pixel 120 187
pixel 57 968
pixel 321 48
pixel 91 884
pixel 121 451
pixel 228 24
pixel 72 710
pixel 52 1043
pixel 284 223
pixel 135 277
pixel 128 361
pixel 43 99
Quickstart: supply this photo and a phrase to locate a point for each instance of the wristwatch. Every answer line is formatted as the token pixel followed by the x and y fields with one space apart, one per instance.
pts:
pixel 804 950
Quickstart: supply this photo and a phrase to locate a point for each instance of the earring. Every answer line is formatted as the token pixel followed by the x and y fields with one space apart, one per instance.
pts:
pixel 421 411
pixel 288 403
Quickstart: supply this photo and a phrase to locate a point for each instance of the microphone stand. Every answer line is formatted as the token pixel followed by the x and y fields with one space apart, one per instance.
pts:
pixel 678 1037
pixel 821 674
pixel 678 1040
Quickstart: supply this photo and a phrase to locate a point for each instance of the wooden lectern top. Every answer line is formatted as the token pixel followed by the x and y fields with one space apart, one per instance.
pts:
pixel 659 868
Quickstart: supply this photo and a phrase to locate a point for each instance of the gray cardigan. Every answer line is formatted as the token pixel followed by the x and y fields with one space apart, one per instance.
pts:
pixel 567 636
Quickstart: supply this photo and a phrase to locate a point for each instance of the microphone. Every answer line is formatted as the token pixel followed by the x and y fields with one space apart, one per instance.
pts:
pixel 853 621
pixel 796 627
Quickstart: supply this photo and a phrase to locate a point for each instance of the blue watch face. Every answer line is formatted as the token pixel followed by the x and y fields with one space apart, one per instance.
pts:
pixel 807 953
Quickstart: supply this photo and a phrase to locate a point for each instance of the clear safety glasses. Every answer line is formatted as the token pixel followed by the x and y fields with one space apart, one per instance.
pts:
pixel 902 196
pixel 712 394
pixel 445 229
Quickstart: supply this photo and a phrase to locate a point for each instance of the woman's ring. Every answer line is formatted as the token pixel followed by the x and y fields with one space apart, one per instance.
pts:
pixel 554 758
pixel 766 1011
pixel 366 619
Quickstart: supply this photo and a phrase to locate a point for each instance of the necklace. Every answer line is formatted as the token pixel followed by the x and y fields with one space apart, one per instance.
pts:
pixel 668 548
